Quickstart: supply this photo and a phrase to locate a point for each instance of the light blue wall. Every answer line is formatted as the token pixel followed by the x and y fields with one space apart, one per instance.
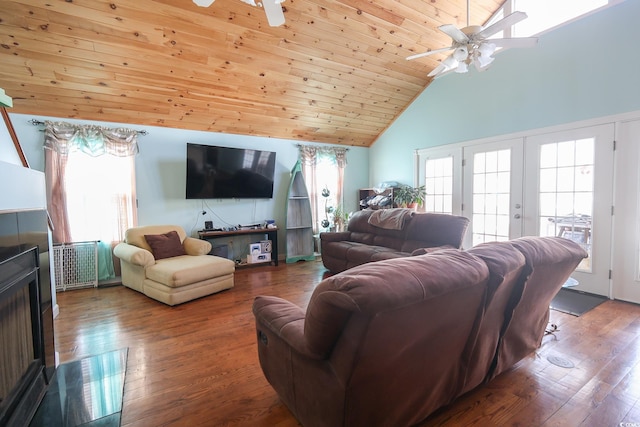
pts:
pixel 161 176
pixel 586 69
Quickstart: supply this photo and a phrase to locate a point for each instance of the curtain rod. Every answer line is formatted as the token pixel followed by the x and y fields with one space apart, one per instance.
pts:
pixel 321 146
pixel 40 123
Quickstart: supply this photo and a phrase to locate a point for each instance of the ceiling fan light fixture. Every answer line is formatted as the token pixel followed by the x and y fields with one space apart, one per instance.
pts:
pixel 484 61
pixel 483 55
pixel 486 49
pixel 204 3
pixel 471 45
pixel 462 68
pixel 461 53
pixel 272 8
pixel 450 62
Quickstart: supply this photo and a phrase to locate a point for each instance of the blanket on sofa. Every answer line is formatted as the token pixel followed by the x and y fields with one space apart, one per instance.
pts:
pixel 390 219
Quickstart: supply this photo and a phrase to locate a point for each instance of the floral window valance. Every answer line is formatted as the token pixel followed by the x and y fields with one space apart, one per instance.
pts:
pixel 65 138
pixel 309 153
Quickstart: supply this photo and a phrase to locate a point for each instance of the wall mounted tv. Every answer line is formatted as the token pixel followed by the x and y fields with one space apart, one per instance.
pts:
pixel 229 173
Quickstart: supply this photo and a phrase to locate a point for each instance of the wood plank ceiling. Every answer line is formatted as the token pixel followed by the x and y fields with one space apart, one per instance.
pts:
pixel 335 72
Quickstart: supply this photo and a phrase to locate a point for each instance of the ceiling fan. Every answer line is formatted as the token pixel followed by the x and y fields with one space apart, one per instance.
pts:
pixel 272 8
pixel 471 45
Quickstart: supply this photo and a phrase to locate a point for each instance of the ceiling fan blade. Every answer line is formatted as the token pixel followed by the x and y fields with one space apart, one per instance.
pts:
pixel 502 24
pixel 275 16
pixel 450 63
pixel 454 32
pixel 444 72
pixel 516 42
pixel 431 52
pixel 439 69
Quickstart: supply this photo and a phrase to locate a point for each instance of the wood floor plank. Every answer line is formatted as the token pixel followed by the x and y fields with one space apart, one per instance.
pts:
pixel 633 414
pixel 196 364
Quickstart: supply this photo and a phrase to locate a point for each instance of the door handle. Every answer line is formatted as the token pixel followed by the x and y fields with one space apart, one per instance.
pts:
pixel 517 216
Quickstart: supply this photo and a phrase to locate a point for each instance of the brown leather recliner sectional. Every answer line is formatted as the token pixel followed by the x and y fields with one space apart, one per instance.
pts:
pixel 374 235
pixel 389 342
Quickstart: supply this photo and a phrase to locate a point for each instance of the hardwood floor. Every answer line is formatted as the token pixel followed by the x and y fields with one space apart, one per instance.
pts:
pixel 196 364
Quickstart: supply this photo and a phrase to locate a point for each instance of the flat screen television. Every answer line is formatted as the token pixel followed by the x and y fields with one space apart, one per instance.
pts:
pixel 229 173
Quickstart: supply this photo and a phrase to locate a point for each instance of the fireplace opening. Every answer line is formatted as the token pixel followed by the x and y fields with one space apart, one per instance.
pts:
pixel 22 362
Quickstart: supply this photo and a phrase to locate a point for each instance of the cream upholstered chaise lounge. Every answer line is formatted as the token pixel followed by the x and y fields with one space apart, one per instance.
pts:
pixel 163 263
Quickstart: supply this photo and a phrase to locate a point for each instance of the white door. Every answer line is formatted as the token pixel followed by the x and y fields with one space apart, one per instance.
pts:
pixel 568 193
pixel 492 191
pixel 440 171
pixel 626 247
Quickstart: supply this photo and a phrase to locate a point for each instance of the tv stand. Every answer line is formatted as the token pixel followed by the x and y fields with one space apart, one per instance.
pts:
pixel 272 234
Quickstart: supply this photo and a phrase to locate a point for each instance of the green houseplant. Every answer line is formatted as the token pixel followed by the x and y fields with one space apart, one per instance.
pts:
pixel 408 196
pixel 340 218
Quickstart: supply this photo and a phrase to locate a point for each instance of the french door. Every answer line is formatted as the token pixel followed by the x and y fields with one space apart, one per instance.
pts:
pixel 492 194
pixel 569 193
pixel 554 184
pixel 440 170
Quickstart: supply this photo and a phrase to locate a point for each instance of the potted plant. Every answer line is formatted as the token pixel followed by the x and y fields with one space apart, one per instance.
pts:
pixel 408 196
pixel 340 218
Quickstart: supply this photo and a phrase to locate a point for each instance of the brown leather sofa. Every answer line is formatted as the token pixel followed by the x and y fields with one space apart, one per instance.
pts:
pixel 374 235
pixel 389 342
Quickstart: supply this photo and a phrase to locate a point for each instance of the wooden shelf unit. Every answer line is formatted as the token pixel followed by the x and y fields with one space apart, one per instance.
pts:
pixel 364 193
pixel 299 219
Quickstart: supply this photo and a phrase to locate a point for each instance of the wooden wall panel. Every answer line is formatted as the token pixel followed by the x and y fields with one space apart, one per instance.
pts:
pixel 334 73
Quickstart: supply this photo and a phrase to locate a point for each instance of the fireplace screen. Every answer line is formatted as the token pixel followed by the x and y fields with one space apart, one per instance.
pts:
pixel 16 339
pixel 22 381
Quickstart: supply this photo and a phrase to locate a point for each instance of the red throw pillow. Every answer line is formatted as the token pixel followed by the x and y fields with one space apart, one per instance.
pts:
pixel 165 245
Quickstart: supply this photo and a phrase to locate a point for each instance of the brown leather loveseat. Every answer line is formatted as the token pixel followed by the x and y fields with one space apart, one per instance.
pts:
pixel 374 235
pixel 389 342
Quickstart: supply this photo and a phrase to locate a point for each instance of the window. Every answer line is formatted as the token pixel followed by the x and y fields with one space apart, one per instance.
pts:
pixel 89 171
pixel 326 178
pixel 544 14
pixel 491 196
pixel 323 169
pixel 439 185
pixel 566 191
pixel 100 197
pixel 440 171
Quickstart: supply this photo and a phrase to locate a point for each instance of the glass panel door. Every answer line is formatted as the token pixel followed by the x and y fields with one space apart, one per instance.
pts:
pixel 493 191
pixel 440 170
pixel 569 194
pixel 566 192
pixel 439 185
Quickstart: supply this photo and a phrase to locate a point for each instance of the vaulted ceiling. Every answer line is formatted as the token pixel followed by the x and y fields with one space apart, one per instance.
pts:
pixel 335 72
